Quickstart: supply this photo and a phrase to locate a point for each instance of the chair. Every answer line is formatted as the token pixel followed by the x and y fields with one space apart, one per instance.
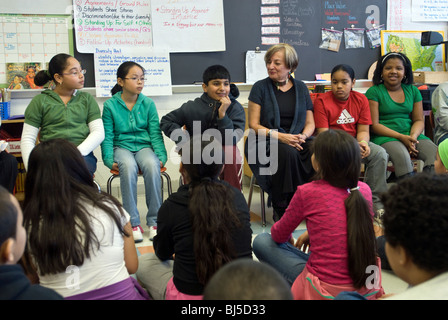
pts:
pixel 163 173
pixel 253 183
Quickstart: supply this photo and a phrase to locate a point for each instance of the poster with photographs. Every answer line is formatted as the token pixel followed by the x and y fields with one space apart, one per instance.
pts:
pixel 21 75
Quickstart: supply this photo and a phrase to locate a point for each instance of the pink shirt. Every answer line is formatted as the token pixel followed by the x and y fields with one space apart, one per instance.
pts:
pixel 322 207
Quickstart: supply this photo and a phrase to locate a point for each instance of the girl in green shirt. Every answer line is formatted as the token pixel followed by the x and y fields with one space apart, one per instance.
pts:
pixel 397 115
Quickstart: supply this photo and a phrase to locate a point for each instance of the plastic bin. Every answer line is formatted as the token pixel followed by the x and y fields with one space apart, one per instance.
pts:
pixel 5 110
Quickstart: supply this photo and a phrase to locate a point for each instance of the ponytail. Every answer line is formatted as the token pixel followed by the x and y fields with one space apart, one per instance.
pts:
pixel 42 78
pixel 360 237
pixel 116 88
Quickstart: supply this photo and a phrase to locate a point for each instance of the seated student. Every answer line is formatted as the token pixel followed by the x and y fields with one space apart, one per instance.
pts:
pixel 338 212
pixel 90 236
pixel 397 115
pixel 439 104
pixel 416 228
pixel 246 279
pixel 204 225
pixel 218 109
pixel 63 112
pixel 14 284
pixel 345 109
pixel 134 142
pixel 8 170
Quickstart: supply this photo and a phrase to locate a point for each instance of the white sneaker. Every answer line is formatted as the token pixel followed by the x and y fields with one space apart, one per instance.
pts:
pixel 137 232
pixel 152 232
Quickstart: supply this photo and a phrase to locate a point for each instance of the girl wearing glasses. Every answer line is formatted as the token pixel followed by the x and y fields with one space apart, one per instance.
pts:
pixel 63 112
pixel 134 143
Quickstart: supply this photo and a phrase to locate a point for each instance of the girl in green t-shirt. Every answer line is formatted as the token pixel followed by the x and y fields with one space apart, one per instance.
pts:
pixel 397 115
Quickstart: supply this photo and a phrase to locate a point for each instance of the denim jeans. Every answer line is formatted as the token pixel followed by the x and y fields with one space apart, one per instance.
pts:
pixel 91 162
pixel 129 164
pixel 284 257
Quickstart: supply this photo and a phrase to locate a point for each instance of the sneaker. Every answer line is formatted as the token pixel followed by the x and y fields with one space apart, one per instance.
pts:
pixel 137 232
pixel 152 232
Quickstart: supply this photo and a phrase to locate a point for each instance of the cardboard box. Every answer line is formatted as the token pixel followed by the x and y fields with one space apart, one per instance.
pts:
pixel 430 77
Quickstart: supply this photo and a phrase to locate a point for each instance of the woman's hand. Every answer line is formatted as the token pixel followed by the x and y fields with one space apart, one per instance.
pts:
pixel 294 140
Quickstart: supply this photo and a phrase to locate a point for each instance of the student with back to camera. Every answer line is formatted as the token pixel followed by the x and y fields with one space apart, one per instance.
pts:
pixel 441 168
pixel 246 279
pixel 397 115
pixel 348 110
pixel 338 212
pixel 92 249
pixel 203 225
pixel 134 142
pixel 14 284
pixel 217 108
pixel 415 228
pixel 63 112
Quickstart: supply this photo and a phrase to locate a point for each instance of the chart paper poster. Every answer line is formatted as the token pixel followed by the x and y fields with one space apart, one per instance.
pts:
pixel 156 65
pixel 429 10
pixel 189 25
pixel 399 17
pixel 112 23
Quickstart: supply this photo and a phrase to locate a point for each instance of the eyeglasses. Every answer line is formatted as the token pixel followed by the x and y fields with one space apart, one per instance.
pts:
pixel 136 79
pixel 76 73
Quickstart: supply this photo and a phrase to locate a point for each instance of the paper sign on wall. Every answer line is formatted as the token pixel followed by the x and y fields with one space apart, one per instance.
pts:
pixel 155 63
pixel 112 23
pixel 189 25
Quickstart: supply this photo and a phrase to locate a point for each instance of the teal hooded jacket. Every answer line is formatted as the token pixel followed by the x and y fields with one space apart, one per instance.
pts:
pixel 131 129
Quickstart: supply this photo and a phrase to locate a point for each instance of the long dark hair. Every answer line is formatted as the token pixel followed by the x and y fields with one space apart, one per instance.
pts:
pixel 122 72
pixel 57 65
pixel 339 160
pixel 212 209
pixel 57 185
